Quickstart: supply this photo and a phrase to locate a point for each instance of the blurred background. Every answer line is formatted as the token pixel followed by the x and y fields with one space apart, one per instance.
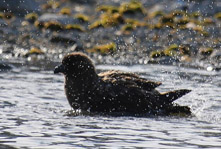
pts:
pixel 113 32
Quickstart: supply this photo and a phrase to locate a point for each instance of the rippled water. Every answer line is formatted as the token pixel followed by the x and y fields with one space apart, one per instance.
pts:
pixel 33 113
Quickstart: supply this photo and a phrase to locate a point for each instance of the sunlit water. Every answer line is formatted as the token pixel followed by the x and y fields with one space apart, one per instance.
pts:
pixel 33 113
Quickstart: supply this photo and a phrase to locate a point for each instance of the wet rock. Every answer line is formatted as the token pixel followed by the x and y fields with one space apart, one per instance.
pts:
pixel 216 56
pixel 53 25
pixel 82 17
pixel 31 17
pixel 6 48
pixel 34 51
pixel 19 7
pixel 2 23
pixel 204 53
pixel 107 20
pixel 205 7
pixel 131 7
pixel 218 15
pixel 63 19
pixel 166 60
pixel 62 39
pixel 65 11
pixel 212 62
pixel 5 67
pixel 83 1
pixel 74 27
pixel 104 49
pixel 68 41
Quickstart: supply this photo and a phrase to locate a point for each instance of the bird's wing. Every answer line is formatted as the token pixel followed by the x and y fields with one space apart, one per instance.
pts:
pixel 128 79
pixel 119 95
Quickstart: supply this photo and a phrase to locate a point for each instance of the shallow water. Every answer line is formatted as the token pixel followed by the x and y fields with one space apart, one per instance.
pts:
pixel 33 113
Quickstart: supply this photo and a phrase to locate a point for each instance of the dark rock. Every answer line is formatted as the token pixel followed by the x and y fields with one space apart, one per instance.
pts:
pixel 205 7
pixel 63 19
pixel 7 48
pixel 165 60
pixel 2 23
pixel 5 67
pixel 62 39
pixel 19 7
pixel 68 41
pixel 83 1
pixel 216 56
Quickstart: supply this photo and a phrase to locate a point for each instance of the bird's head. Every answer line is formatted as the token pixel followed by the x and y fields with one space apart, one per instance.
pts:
pixel 76 65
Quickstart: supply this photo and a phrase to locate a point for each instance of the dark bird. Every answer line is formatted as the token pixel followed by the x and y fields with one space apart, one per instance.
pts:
pixel 114 92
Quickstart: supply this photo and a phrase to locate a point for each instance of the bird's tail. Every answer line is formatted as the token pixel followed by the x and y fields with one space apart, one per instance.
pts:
pixel 177 110
pixel 171 96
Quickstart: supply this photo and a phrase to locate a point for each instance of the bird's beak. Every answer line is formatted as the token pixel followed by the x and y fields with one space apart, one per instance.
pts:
pixel 59 68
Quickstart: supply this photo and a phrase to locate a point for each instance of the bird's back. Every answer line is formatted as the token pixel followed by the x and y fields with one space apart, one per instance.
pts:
pixel 127 92
pixel 128 79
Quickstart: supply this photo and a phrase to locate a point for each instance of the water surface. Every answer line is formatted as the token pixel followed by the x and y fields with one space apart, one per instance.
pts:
pixel 33 113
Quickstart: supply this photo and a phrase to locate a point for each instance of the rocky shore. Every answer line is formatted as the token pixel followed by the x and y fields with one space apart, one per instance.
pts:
pixel 170 32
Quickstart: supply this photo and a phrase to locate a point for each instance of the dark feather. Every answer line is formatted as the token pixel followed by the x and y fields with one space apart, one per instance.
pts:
pixel 126 78
pixel 114 91
pixel 171 96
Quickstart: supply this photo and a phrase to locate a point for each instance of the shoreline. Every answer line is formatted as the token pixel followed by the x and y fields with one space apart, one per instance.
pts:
pixel 153 33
